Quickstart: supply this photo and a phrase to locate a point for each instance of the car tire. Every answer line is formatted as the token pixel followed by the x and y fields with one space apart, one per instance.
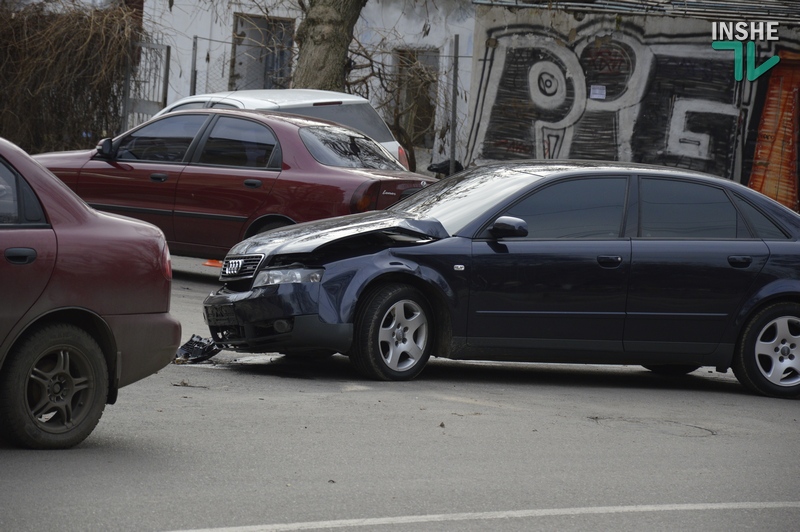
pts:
pixel 671 369
pixel 767 358
pixel 53 388
pixel 392 334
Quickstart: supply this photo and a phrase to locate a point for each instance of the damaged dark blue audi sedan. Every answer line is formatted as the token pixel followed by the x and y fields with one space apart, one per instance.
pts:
pixel 565 261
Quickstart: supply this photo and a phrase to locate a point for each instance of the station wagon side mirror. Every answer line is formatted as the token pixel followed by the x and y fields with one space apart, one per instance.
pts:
pixel 508 226
pixel 105 149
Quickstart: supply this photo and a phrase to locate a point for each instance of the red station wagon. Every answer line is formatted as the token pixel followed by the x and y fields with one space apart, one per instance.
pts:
pixel 210 178
pixel 86 299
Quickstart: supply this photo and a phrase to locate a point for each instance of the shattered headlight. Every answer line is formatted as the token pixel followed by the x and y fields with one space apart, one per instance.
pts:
pixel 287 275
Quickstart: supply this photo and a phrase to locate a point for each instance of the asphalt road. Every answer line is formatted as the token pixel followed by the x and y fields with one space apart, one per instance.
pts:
pixel 251 443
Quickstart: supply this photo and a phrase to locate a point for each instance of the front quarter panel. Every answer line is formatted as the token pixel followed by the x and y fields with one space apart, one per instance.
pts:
pixel 438 267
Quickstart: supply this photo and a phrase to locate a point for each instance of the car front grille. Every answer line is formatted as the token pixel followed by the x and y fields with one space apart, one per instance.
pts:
pixel 238 267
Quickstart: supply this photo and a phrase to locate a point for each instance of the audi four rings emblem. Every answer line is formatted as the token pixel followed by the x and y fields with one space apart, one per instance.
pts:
pixel 232 267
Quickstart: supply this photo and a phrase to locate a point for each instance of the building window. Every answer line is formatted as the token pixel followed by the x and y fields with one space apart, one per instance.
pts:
pixel 262 53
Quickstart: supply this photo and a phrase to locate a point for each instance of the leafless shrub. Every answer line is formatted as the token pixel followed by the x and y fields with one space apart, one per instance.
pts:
pixel 62 72
pixel 405 87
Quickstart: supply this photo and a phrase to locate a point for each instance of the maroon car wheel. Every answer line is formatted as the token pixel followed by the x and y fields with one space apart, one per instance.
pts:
pixel 53 388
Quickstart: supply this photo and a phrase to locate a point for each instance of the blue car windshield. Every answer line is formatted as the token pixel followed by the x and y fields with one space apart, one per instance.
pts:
pixel 458 200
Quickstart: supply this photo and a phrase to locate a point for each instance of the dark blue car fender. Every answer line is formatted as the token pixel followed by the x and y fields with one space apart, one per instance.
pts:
pixel 339 305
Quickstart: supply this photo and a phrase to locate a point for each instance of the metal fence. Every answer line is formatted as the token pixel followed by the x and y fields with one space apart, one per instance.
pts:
pixel 146 83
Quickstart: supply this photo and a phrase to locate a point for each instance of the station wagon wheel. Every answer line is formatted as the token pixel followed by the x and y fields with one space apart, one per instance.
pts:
pixel 393 334
pixel 53 388
pixel 767 359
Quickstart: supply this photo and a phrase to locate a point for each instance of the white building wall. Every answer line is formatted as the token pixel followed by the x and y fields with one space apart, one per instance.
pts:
pixel 388 25
pixel 212 23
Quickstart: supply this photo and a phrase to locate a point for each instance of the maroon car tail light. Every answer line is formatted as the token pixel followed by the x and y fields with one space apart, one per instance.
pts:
pixel 166 263
pixel 365 198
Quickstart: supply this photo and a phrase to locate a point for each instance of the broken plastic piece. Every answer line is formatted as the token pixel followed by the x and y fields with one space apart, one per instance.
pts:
pixel 197 349
pixel 444 167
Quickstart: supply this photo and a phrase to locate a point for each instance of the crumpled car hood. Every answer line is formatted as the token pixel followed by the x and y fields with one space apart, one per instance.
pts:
pixel 309 236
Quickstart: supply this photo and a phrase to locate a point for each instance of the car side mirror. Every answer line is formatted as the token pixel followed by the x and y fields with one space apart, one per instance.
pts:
pixel 105 150
pixel 508 226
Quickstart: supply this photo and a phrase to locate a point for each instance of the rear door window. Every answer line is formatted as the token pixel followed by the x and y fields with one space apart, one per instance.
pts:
pixel 683 209
pixel 18 203
pixel 239 143
pixel 9 212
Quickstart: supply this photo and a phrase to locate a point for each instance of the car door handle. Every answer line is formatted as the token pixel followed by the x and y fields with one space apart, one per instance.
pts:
pixel 609 261
pixel 158 177
pixel 740 261
pixel 252 183
pixel 20 255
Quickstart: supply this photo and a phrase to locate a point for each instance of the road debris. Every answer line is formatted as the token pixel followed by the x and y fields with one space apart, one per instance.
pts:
pixel 197 349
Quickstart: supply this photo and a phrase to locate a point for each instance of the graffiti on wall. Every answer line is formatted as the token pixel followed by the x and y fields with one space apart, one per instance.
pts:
pixel 621 94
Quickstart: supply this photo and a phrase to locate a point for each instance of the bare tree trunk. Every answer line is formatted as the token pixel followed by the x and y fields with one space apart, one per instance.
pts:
pixel 323 39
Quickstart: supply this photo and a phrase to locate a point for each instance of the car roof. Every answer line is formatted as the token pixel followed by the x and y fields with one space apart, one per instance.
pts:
pixel 268 116
pixel 278 97
pixel 588 167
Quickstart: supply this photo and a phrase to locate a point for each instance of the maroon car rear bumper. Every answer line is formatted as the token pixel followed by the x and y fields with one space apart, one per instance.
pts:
pixel 145 344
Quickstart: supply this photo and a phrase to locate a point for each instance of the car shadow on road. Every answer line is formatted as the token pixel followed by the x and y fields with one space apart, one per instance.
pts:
pixel 338 369
pixel 580 375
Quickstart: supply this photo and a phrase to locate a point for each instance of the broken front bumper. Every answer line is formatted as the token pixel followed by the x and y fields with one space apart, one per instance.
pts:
pixel 279 318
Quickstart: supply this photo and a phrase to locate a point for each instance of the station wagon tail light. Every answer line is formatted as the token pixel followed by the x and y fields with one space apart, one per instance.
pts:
pixel 402 156
pixel 287 276
pixel 365 197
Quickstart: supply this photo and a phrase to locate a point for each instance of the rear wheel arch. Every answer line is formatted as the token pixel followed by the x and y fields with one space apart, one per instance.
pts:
pixel 89 322
pixel 54 388
pixel 744 319
pixel 735 332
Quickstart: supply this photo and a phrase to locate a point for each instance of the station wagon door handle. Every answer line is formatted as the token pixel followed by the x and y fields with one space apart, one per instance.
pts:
pixel 20 255
pixel 609 261
pixel 158 177
pixel 740 261
pixel 252 183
